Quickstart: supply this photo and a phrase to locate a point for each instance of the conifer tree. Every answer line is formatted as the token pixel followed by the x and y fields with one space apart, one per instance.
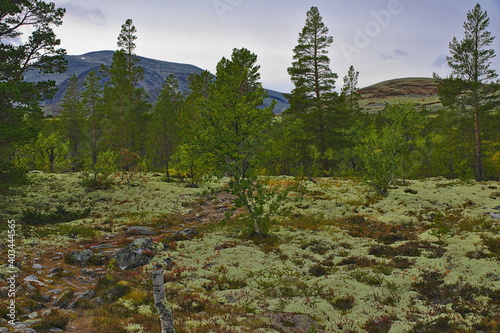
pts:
pixel 471 85
pixel 164 127
pixel 73 123
pixel 125 104
pixel 350 91
pixel 312 98
pixel 19 100
pixel 92 104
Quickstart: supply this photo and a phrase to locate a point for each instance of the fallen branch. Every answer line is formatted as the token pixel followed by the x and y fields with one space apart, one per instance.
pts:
pixel 161 303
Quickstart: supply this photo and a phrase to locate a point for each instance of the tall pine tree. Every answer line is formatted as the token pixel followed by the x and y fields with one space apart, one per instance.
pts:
pixel 312 98
pixel 471 84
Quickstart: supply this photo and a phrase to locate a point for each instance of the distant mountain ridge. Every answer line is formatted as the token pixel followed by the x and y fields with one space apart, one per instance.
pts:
pixel 155 73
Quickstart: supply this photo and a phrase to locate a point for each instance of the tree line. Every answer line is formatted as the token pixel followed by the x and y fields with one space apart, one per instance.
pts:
pixel 219 126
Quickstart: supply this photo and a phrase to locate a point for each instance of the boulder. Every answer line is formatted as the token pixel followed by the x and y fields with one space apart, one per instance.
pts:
pixel 136 254
pixel 139 230
pixel 82 256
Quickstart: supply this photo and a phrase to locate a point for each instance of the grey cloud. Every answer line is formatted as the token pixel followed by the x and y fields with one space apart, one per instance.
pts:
pixel 440 61
pixel 401 52
pixel 93 15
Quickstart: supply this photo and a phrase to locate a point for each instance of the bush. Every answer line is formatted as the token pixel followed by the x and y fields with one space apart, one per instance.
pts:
pixel 32 216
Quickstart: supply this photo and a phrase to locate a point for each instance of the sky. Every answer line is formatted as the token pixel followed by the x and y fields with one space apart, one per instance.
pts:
pixel 382 39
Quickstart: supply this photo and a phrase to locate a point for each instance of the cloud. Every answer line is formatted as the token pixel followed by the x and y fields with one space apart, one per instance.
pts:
pixel 401 52
pixel 385 57
pixel 92 15
pixel 440 61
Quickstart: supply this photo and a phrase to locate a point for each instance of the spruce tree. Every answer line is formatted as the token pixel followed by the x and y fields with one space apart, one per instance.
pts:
pixel 471 85
pixel 312 98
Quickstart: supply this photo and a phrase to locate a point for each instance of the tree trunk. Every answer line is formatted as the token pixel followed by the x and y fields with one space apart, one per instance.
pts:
pixel 161 303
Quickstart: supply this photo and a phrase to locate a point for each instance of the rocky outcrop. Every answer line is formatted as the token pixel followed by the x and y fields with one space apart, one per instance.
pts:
pixel 136 254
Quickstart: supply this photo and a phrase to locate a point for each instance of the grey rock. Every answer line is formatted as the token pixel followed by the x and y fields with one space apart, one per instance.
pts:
pixel 89 294
pixel 34 279
pixel 37 266
pixel 82 256
pixel 136 254
pixel 144 231
pixel 26 330
pixel 55 270
pixel 88 271
pixel 4 330
pixel 46 298
pixel 55 329
pixel 64 299
pixel 55 291
pixel 33 315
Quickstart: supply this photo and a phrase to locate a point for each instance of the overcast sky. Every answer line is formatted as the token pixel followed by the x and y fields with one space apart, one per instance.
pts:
pixel 382 39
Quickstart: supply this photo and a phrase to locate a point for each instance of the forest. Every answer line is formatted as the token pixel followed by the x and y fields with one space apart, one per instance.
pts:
pixel 324 218
pixel 218 127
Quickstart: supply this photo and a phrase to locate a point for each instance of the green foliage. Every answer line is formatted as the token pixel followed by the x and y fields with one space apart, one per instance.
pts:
pixel 164 130
pixel 48 153
pixel 262 204
pixel 384 149
pixel 19 108
pixel 60 215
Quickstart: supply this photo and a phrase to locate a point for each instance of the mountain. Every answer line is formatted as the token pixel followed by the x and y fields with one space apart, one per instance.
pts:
pixel 419 90
pixel 155 73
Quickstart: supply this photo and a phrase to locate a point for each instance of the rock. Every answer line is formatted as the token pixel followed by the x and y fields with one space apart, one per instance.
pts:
pixel 495 216
pixel 33 315
pixel 55 270
pixel 82 256
pixel 34 279
pixel 139 230
pixel 26 330
pixel 55 329
pixel 4 330
pixel 64 298
pixel 136 254
pixel 55 291
pixel 37 267
pixel 46 298
pixel 87 271
pixel 185 234
pixel 89 294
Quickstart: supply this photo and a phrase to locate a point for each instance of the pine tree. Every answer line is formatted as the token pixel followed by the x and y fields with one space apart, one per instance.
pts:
pixel 350 91
pixel 73 123
pixel 125 104
pixel 312 98
pixel 19 100
pixel 471 83
pixel 164 127
pixel 92 103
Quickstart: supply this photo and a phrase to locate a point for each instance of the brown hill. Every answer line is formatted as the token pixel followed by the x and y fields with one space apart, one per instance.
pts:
pixel 418 90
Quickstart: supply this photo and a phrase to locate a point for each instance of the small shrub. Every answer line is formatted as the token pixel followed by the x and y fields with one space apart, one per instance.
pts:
pixel 318 270
pixel 379 324
pixel 368 278
pixel 55 319
pixel 34 217
pixel 493 245
pixel 345 303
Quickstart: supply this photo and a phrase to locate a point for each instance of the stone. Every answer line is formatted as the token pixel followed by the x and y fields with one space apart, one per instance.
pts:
pixel 82 256
pixel 136 254
pixel 46 298
pixel 33 315
pixel 55 270
pixel 34 279
pixel 37 267
pixel 4 330
pixel 88 272
pixel 89 294
pixel 64 298
pixel 139 230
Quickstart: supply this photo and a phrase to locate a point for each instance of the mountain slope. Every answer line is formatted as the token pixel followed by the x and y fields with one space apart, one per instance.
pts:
pixel 155 73
pixel 418 90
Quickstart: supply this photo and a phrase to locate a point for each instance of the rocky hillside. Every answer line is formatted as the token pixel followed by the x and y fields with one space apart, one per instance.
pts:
pixel 419 90
pixel 155 73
